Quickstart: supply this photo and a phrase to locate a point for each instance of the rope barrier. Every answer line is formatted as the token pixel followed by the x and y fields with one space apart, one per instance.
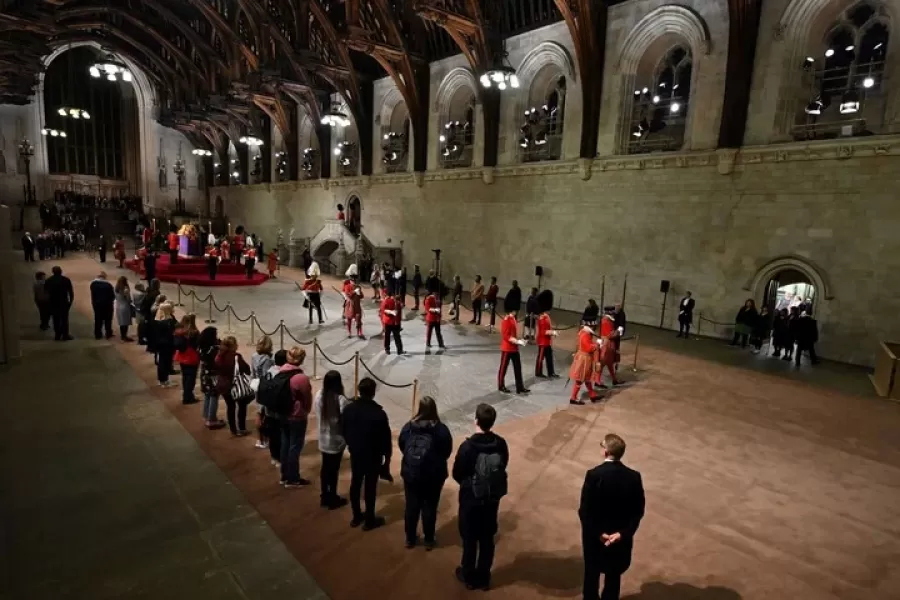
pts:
pixel 382 381
pixel 296 341
pixel 237 317
pixel 329 360
pixel 217 305
pixel 263 331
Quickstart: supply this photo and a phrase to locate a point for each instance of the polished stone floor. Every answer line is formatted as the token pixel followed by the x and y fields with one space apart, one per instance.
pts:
pixel 763 481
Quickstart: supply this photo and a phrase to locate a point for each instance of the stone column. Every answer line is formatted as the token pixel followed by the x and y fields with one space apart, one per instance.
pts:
pixel 295 252
pixel 9 319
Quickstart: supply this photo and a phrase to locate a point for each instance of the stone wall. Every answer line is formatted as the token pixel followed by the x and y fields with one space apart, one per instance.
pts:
pixel 709 222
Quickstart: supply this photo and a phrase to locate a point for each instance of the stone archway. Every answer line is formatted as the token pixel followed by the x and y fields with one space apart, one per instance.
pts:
pixel 354 214
pixel 786 271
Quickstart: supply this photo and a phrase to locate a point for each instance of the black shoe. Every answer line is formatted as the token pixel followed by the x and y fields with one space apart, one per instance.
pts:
pixel 461 577
pixel 410 544
pixel 356 522
pixel 576 402
pixel 191 401
pixel 375 523
pixel 553 376
pixel 504 389
pixel 540 376
pixel 429 545
pixel 523 391
pixel 337 502
pixel 324 501
pixel 442 347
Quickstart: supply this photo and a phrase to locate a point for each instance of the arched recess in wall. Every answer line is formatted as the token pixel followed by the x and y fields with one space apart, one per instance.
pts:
pixel 146 101
pixel 758 281
pixel 644 56
pixel 545 73
pixel 455 105
pixel 346 143
pixel 353 204
pixel 862 38
pixel 311 155
pixel 394 132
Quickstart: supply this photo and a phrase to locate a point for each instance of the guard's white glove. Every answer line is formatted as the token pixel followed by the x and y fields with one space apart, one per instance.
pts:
pixel 344 296
pixel 553 332
pixel 393 313
pixel 522 342
pixel 621 330
pixel 434 310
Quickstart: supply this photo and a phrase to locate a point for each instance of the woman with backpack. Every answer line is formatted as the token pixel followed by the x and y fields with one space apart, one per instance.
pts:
pixel 186 355
pixel 329 404
pixel 426 445
pixel 227 360
pixel 260 363
pixel 208 349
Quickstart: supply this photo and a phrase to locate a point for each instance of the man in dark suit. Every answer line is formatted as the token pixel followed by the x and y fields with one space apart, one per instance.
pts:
pixel 61 295
pixel 150 265
pixel 685 316
pixel 103 298
pixel 807 334
pixel 612 506
pixel 28 247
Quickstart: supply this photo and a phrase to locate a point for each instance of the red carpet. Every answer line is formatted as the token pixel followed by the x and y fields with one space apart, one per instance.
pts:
pixel 193 271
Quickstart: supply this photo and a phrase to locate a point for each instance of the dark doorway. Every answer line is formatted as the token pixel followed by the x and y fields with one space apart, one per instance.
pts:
pixel 354 215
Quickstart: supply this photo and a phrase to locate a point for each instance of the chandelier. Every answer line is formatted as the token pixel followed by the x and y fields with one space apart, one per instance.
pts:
pixel 502 74
pixel 110 68
pixel 309 161
pixel 336 118
pixel 251 141
pixel 201 152
pixel 53 132
pixel 344 152
pixel 75 113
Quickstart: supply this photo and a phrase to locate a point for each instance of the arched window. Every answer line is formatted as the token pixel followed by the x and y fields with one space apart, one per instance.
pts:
pixel 457 136
pixel 660 104
pixel 843 78
pixel 541 132
pixel 395 140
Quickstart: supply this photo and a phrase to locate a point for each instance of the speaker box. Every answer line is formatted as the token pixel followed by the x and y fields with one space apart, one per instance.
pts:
pixel 664 286
pixel 539 271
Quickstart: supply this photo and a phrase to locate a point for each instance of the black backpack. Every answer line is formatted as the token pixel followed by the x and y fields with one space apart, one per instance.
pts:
pixel 489 482
pixel 274 393
pixel 417 457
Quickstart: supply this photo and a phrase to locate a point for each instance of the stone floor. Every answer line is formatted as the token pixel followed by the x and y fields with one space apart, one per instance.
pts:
pixel 762 481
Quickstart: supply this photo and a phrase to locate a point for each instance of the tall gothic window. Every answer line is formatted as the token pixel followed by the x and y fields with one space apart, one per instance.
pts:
pixel 92 146
pixel 457 136
pixel 843 79
pixel 541 132
pixel 660 104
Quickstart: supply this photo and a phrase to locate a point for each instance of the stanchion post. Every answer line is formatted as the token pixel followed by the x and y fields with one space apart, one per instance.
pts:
pixel 281 330
pixel 356 374
pixel 252 328
pixel 412 413
pixel 637 347
pixel 179 304
pixel 211 320
pixel 193 303
pixel 228 317
pixel 315 358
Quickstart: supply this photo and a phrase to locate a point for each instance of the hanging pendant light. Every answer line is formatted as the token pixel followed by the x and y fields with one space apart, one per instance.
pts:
pixel 849 102
pixel 71 111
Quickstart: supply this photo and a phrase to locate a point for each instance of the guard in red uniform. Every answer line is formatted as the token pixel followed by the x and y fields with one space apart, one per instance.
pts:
pixel 250 261
pixel 433 320
pixel 545 335
pixel 272 263
pixel 119 251
pixel 140 256
pixel 391 318
pixel 225 250
pixel 607 358
pixel 312 288
pixel 238 244
pixel 172 239
pixel 583 365
pixel 353 296
pixel 147 236
pixel 212 262
pixel 509 350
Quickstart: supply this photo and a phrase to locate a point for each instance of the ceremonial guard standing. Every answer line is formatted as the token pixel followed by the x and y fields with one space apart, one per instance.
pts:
pixel 212 262
pixel 173 247
pixel 391 318
pixel 312 288
pixel 238 249
pixel 509 350
pixel 225 250
pixel 433 318
pixel 119 251
pixel 353 296
pixel 250 261
pixel 583 365
pixel 607 357
pixel 544 336
pixel 272 263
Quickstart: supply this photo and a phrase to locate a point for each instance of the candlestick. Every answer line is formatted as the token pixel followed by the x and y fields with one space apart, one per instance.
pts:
pixel 229 228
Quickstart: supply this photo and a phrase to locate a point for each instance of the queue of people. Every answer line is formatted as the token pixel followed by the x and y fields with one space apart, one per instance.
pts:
pixel 789 331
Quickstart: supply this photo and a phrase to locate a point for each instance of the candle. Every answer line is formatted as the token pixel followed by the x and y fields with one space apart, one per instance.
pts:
pixel 229 228
pixel 154 224
pixel 210 226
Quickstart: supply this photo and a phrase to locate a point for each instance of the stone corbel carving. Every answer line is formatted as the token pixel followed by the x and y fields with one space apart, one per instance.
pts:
pixel 726 158
pixel 487 175
pixel 584 168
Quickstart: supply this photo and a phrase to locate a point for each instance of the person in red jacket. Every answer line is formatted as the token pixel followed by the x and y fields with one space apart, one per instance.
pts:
pixel 391 316
pixel 312 289
pixel 584 364
pixel 545 335
pixel 607 357
pixel 272 263
pixel 293 425
pixel 509 350
pixel 186 341
pixel 353 296
pixel 173 247
pixel 433 320
pixel 237 245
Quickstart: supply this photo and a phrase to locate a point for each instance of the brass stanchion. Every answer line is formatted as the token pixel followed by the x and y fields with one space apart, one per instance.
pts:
pixel 193 303
pixel 414 398
pixel 315 358
pixel 637 347
pixel 228 317
pixel 210 320
pixel 252 328
pixel 356 375
pixel 179 304
pixel 281 329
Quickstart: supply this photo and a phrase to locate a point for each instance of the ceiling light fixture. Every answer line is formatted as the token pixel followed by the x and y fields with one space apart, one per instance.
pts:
pixel 201 152
pixel 336 118
pixel 501 75
pixel 53 132
pixel 829 53
pixel 814 107
pixel 849 103
pixel 869 82
pixel 250 140
pixel 674 108
pixel 113 68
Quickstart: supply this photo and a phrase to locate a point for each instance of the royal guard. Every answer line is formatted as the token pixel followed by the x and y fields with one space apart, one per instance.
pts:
pixel 391 317
pixel 147 236
pixel 119 251
pixel 608 325
pixel 225 250
pixel 250 261
pixel 312 290
pixel 544 336
pixel 433 319
pixel 353 296
pixel 583 365
pixel 172 241
pixel 238 243
pixel 509 350
pixel 272 263
pixel 607 357
pixel 139 257
pixel 212 262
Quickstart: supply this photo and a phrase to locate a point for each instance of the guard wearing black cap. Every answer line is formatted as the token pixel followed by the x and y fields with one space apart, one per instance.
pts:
pixel 545 335
pixel 509 349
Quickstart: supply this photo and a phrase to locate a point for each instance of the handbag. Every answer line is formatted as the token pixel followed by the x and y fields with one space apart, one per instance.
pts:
pixel 240 385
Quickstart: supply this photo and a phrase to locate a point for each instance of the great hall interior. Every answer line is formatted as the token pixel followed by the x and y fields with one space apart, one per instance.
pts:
pixel 628 151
